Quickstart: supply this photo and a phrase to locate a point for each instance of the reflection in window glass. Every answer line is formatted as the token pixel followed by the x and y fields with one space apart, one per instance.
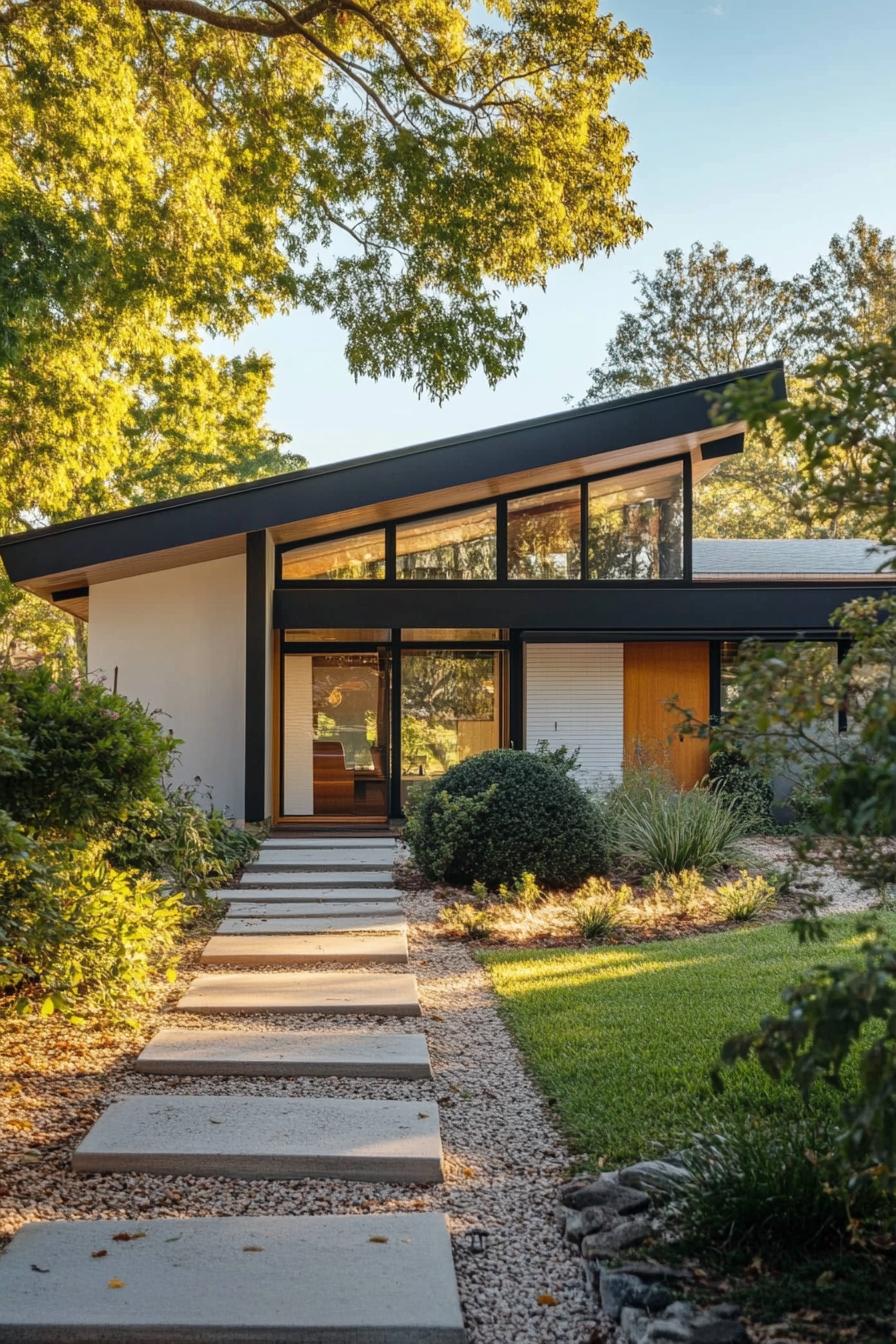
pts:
pixel 635 525
pixel 450 709
pixel 544 535
pixel 360 557
pixel 453 546
pixel 820 658
pixel 434 636
pixel 356 636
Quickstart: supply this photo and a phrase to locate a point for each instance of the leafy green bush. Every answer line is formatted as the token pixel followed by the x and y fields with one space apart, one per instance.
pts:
pixel 15 846
pixel 808 802
pixel 93 757
pixel 774 1186
pixel 656 828
pixel 745 897
pixel 465 920
pixel 503 813
pixel 597 906
pixel 192 847
pixel 732 775
pixel 75 931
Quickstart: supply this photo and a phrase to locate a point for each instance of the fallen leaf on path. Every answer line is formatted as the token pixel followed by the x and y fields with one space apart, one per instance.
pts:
pixel 115 1283
pixel 546 1300
pixel 98 1255
pixel 381 1241
pixel 253 1248
pixel 128 1236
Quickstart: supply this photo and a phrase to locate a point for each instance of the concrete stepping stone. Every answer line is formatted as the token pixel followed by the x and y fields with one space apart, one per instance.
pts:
pixel 310 910
pixel 330 992
pixel 319 860
pixel 332 895
pixel 280 924
pixel 327 878
pixel 297 949
pixel 267 1138
pixel 270 887
pixel 346 1279
pixel 287 1054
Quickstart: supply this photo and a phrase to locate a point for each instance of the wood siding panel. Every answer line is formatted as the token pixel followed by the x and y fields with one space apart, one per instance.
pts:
pixel 654 672
pixel 573 698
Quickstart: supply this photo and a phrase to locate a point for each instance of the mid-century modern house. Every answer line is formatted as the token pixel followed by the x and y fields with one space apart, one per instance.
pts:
pixel 324 640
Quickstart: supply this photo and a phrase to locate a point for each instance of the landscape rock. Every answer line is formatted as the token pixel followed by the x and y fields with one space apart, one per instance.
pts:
pixel 634 1323
pixel 620 1290
pixel 606 1192
pixel 582 1222
pixel 615 1237
pixel 658 1298
pixel 709 1329
pixel 668 1331
pixel 651 1271
pixel 661 1176
pixel 680 1311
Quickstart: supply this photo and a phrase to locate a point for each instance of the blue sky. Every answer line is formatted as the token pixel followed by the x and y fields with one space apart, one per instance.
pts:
pixel 766 124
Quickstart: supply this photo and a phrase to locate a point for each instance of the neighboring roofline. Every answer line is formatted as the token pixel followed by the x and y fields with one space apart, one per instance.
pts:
pixel 237 509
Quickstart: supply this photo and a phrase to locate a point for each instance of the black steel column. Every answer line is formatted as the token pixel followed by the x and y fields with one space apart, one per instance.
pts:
pixel 257 639
pixel 395 809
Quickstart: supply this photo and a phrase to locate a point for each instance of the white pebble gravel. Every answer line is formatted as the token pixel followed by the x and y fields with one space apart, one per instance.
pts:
pixel 504 1155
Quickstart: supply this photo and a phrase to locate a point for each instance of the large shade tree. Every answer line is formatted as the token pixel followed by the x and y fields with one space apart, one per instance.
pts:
pixel 706 312
pixel 173 168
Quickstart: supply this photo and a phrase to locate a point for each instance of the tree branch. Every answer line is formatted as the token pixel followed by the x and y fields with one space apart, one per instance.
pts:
pixel 237 23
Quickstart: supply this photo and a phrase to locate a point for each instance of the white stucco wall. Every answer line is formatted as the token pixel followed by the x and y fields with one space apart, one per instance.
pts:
pixel 178 639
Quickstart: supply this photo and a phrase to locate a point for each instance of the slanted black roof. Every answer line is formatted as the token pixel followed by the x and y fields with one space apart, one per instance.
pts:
pixel 277 500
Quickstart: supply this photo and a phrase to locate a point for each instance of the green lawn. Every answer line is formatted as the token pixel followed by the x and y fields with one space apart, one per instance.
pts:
pixel 622 1039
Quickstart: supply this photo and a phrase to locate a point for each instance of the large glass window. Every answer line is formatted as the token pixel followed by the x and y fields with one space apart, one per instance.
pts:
pixel 459 545
pixel 440 636
pixel 544 535
pixel 635 525
pixel 335 636
pixel 362 556
pixel 823 654
pixel 450 709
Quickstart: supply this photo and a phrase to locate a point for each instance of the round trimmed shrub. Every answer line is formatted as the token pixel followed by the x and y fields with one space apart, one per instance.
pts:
pixel 731 773
pixel 501 814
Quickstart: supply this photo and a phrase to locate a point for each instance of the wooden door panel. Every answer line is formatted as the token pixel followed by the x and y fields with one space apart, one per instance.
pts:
pixel 653 673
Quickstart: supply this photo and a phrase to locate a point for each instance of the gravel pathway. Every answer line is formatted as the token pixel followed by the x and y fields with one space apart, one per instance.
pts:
pixel 504 1156
pixel 840 894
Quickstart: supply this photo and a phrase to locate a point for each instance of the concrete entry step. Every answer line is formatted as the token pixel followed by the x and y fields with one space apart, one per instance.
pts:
pixel 297 949
pixel 329 878
pixel 310 910
pixel 323 859
pixel 363 1279
pixel 267 1138
pixel 329 923
pixel 331 842
pixel 332 895
pixel 288 1054
pixel 329 992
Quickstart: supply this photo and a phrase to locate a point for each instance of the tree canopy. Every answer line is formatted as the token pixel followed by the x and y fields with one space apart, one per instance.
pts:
pixel 705 312
pixel 173 169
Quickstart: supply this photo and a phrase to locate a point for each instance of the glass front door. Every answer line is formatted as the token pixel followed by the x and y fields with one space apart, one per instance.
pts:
pixel 335 745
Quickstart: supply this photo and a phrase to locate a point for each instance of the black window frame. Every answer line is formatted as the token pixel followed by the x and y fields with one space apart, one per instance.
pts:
pixel 500 502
